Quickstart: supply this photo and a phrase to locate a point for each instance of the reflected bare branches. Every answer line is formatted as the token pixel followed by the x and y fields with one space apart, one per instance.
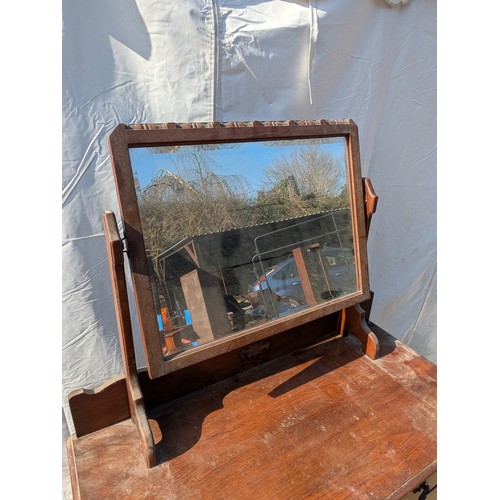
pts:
pixel 196 190
pixel 241 234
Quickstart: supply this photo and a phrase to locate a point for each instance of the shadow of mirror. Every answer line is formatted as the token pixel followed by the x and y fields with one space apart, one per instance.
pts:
pixel 179 423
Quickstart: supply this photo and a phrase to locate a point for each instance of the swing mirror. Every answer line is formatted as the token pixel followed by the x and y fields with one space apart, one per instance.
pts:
pixel 236 232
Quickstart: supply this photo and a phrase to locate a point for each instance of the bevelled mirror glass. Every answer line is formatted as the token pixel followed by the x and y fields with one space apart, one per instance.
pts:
pixel 238 231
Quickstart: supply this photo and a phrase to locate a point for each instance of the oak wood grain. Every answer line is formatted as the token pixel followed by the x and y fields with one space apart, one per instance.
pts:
pixel 94 409
pixel 114 249
pixel 323 422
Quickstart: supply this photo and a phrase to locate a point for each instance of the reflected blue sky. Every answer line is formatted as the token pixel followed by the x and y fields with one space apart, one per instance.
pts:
pixel 247 159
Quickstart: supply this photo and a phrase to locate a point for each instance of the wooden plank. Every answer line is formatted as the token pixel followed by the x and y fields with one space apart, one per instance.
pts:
pixel 127 198
pixel 248 336
pixel 358 209
pixel 114 251
pixel 194 377
pixel 73 470
pixel 304 277
pixel 106 405
pixel 195 133
pixel 428 474
pixel 205 302
pixel 357 326
pixel 321 423
pixel 92 410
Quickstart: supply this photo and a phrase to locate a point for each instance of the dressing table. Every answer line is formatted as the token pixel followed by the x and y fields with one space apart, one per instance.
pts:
pixel 265 377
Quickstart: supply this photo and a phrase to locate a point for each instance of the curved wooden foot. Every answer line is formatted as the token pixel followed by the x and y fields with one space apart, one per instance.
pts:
pixel 356 324
pixel 145 433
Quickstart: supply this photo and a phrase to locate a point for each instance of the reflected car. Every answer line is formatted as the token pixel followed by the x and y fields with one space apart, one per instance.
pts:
pixel 284 280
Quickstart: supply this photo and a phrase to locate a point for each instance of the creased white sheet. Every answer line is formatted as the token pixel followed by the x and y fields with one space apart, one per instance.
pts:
pixel 313 37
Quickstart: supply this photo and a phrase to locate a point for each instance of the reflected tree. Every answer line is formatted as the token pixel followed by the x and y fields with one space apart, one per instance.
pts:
pixel 193 200
pixel 191 196
pixel 306 181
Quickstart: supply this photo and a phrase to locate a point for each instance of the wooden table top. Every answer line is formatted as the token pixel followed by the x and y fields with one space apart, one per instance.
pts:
pixel 325 422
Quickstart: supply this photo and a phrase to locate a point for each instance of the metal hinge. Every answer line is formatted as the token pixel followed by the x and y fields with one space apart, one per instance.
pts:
pixel 425 488
pixel 125 245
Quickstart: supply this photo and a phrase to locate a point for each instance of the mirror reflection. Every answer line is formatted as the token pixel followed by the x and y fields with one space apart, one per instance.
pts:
pixel 242 234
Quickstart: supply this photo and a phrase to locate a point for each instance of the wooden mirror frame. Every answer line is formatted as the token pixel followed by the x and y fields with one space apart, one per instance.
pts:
pixel 125 137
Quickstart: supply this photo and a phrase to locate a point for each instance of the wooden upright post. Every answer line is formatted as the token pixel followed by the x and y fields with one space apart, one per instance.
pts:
pixel 205 302
pixel 355 315
pixel 304 277
pixel 114 249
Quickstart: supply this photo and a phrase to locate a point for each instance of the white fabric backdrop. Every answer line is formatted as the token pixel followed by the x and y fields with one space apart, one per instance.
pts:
pixel 127 61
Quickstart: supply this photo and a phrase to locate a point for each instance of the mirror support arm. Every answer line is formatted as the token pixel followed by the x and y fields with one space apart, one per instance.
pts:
pixel 357 326
pixel 115 249
pixel 355 316
pixel 371 200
